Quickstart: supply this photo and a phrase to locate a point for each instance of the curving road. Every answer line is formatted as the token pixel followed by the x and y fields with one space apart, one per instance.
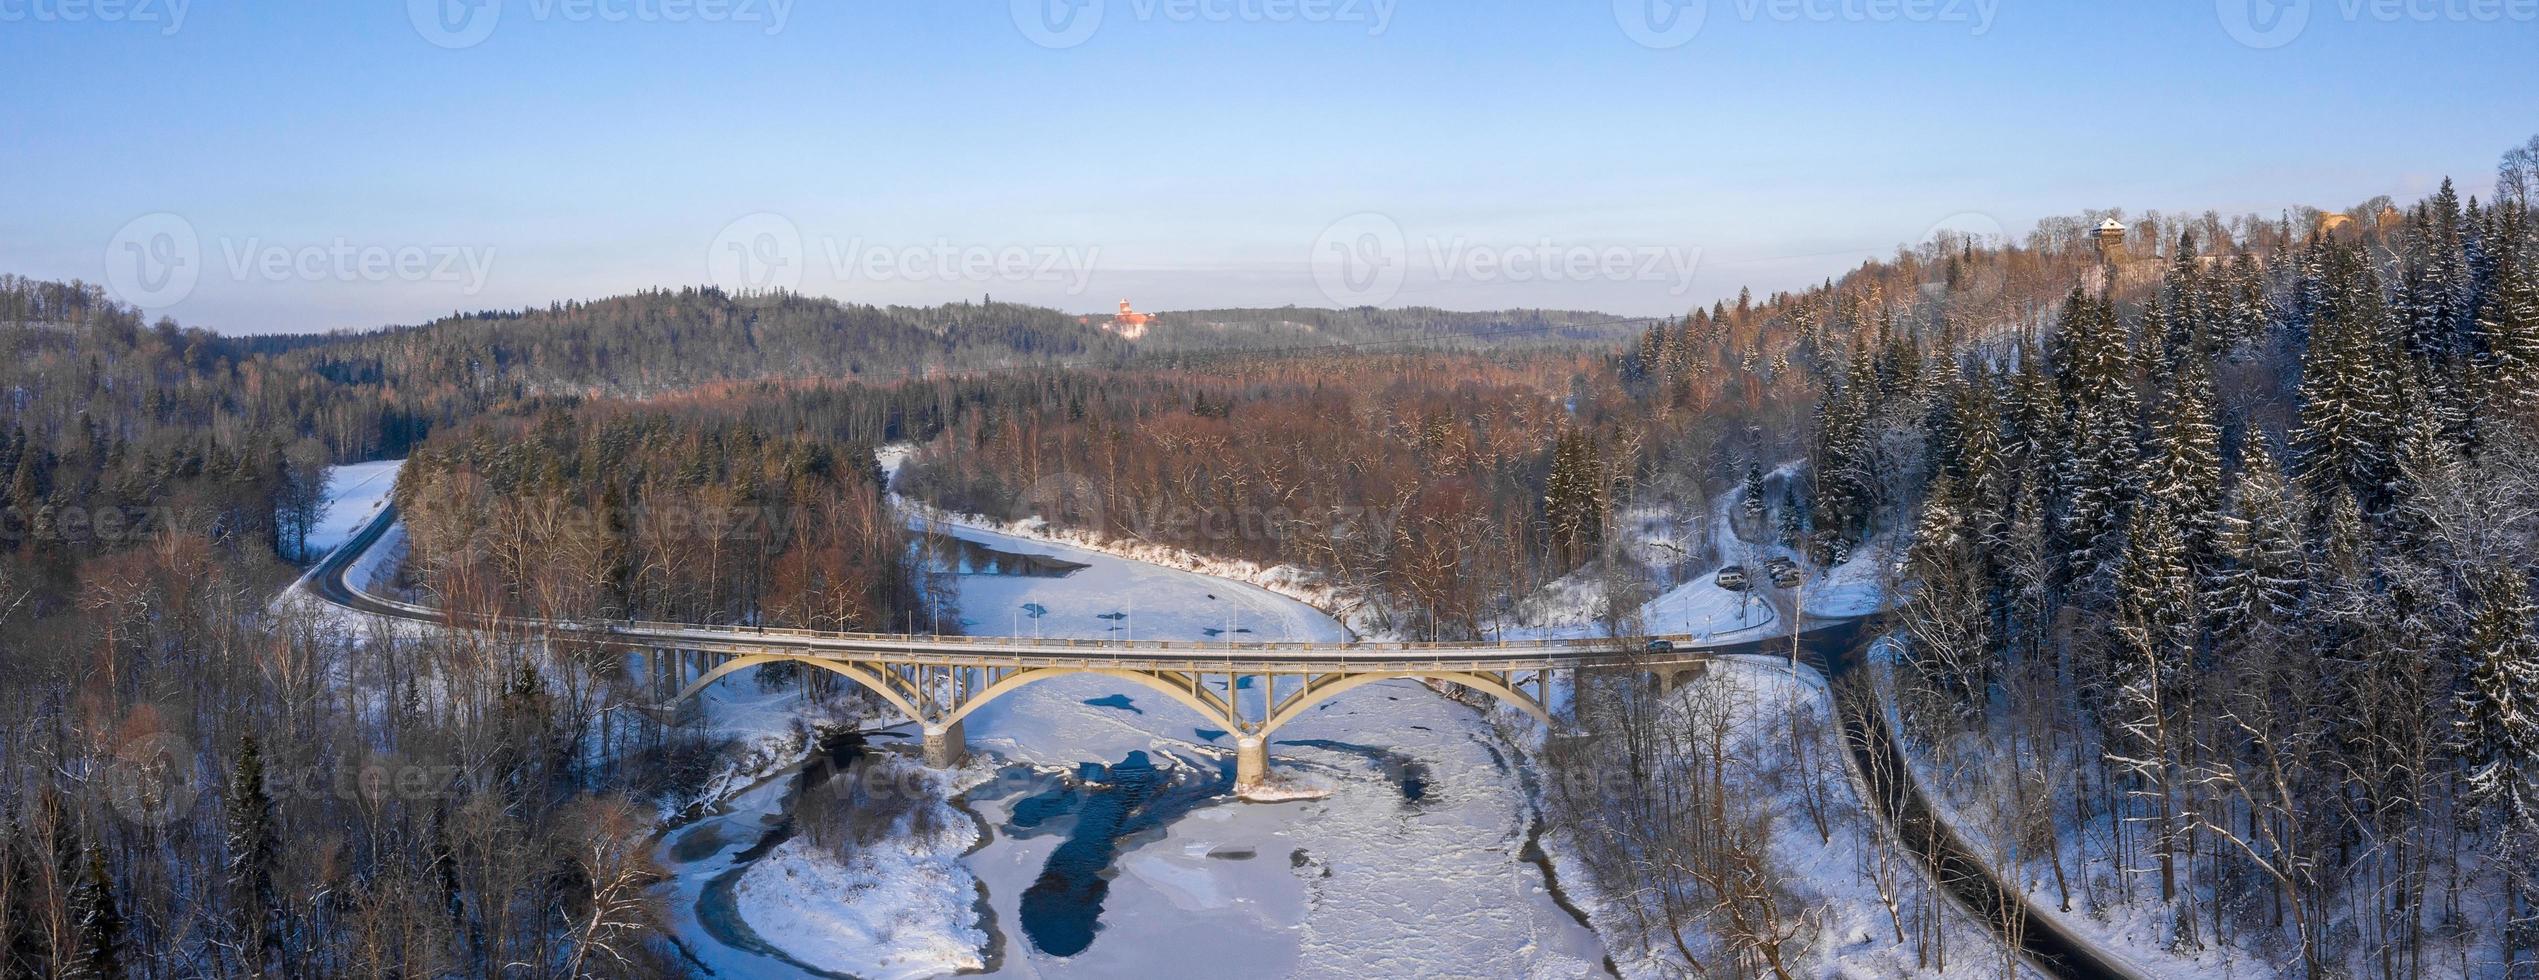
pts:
pixel 327 583
pixel 1832 648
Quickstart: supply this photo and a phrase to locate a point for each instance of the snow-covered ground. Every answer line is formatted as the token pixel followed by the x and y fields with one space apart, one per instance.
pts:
pixel 1141 600
pixel 354 494
pixel 899 906
pixel 1844 923
pixel 1359 883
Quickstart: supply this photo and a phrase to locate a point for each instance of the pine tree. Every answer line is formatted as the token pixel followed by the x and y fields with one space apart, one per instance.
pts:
pixel 25 947
pixel 1573 501
pixel 2497 706
pixel 2428 472
pixel 2101 482
pixel 1752 501
pixel 2185 476
pixel 2155 593
pixel 1947 611
pixel 2348 386
pixel 99 922
pixel 2259 590
pixel 254 851
pixel 2508 345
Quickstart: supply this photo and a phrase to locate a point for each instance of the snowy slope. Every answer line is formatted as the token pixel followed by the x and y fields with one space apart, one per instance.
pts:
pixel 354 494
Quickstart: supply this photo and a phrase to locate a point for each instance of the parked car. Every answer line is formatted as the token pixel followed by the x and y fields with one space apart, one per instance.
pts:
pixel 1784 572
pixel 1732 578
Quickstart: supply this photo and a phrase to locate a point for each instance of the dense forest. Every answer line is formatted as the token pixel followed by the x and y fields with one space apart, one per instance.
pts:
pixel 2217 535
pixel 2215 554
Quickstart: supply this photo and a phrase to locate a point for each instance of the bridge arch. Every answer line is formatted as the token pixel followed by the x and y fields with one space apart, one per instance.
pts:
pixel 858 673
pixel 1296 705
pixel 1194 696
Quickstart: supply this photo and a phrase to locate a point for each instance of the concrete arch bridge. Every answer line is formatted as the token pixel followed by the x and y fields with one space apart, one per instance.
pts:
pixel 938 681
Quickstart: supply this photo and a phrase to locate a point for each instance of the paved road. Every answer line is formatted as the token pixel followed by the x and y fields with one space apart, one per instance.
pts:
pixel 327 582
pixel 1879 761
pixel 1832 648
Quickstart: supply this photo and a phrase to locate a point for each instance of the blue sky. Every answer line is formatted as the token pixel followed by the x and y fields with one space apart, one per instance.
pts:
pixel 334 166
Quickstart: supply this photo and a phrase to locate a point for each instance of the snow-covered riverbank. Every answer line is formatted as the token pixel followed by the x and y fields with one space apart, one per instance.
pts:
pixel 1363 882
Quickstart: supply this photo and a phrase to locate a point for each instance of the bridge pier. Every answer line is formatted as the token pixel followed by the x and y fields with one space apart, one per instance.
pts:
pixel 1251 763
pixel 946 746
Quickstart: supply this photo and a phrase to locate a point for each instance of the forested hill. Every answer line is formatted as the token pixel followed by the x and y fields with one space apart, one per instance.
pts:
pixel 1201 330
pixel 664 340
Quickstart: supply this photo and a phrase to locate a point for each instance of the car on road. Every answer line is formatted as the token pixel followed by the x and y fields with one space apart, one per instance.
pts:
pixel 1661 646
pixel 1732 578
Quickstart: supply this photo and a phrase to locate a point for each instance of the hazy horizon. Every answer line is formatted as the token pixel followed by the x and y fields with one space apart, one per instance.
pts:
pixel 309 167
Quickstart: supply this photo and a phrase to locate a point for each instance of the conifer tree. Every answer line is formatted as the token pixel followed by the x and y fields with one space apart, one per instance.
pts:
pixel 2508 345
pixel 2101 480
pixel 254 851
pixel 2185 475
pixel 99 922
pixel 2259 588
pixel 2497 706
pixel 1573 497
pixel 2348 387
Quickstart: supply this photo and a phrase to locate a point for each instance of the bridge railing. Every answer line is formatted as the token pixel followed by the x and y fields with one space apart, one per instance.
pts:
pixel 999 651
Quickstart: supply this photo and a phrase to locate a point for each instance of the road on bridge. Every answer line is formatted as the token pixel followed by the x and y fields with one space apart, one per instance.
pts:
pixel 1834 649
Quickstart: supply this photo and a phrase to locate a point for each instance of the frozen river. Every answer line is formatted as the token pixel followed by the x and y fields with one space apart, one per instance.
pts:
pixel 1414 864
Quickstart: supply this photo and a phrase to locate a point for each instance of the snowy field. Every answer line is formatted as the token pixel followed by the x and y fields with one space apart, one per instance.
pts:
pixel 354 494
